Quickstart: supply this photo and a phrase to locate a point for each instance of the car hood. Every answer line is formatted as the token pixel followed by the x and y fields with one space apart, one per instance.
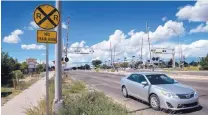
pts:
pixel 176 88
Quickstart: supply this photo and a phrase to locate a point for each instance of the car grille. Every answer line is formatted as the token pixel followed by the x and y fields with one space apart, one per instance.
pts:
pixel 187 105
pixel 185 96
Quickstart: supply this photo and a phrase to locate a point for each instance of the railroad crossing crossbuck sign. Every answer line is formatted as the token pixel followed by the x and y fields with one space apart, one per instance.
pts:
pixel 46 16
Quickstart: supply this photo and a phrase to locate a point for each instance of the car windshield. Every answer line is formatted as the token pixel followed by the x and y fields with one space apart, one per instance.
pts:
pixel 156 79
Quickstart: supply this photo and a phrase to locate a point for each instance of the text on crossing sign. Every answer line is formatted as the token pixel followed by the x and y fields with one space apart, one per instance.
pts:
pixel 44 36
pixel 46 16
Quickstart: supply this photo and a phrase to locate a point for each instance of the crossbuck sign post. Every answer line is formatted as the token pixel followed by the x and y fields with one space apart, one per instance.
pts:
pixel 46 17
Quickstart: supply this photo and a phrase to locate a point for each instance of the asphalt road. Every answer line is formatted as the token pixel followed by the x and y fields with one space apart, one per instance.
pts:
pixel 110 85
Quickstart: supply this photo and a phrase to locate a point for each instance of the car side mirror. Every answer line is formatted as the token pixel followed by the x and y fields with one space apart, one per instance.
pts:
pixel 144 83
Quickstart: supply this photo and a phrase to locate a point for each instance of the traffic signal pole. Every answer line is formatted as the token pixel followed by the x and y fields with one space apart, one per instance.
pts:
pixel 58 68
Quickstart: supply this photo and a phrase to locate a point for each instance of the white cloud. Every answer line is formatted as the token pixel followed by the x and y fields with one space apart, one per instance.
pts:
pixel 13 37
pixel 198 12
pixel 32 47
pixel 164 18
pixel 33 26
pixel 127 45
pixel 64 26
pixel 195 49
pixel 200 28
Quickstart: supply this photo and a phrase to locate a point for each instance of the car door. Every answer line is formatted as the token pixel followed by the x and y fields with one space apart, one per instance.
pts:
pixel 143 90
pixel 131 84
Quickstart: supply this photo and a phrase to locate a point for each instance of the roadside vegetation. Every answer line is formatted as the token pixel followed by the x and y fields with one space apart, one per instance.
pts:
pixel 200 65
pixel 79 100
pixel 14 77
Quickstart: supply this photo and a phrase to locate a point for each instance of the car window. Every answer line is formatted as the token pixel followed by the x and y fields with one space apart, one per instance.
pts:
pixel 141 78
pixel 132 77
pixel 137 78
pixel 156 79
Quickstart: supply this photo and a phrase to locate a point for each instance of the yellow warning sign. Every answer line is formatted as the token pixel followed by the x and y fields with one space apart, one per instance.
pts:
pixel 44 36
pixel 46 16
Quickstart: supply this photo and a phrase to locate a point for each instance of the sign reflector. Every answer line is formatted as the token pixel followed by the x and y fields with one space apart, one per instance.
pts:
pixel 44 36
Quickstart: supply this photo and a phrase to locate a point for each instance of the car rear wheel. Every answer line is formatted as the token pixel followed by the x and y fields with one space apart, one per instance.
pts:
pixel 154 102
pixel 124 91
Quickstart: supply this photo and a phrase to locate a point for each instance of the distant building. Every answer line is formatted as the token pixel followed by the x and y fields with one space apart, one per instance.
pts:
pixel 32 65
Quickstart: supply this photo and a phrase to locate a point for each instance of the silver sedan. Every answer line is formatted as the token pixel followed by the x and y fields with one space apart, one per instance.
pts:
pixel 159 90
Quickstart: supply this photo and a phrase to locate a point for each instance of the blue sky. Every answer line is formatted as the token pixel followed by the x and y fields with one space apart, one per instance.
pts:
pixel 92 22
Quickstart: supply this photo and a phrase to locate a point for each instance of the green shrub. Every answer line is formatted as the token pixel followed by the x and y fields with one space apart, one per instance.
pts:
pixel 76 87
pixel 97 69
pixel 112 70
pixel 17 74
pixel 91 103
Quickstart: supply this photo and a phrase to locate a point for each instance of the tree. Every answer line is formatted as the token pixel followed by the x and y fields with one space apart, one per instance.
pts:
pixel 204 63
pixel 185 64
pixel 104 66
pixel 16 75
pixel 40 68
pixel 193 63
pixel 24 67
pixel 8 64
pixel 124 64
pixel 96 63
pixel 170 63
pixel 162 64
pixel 74 68
pixel 86 66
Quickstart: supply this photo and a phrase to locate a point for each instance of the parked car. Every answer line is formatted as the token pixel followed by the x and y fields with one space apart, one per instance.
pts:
pixel 159 90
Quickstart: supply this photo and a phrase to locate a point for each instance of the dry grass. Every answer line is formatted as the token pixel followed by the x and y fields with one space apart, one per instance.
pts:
pixel 8 93
pixel 77 101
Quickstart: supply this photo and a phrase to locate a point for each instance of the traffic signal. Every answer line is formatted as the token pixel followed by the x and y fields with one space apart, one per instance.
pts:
pixel 153 58
pixel 163 50
pixel 157 58
pixel 66 59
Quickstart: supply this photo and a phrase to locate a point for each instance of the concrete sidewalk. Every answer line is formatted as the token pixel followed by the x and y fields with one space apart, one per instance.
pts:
pixel 27 98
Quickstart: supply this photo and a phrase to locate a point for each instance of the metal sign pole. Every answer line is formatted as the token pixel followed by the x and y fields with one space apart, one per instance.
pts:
pixel 47 93
pixel 58 66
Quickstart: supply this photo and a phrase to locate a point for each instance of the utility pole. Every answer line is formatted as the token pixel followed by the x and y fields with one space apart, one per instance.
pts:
pixel 67 40
pixel 111 54
pixel 147 29
pixel 141 49
pixel 58 102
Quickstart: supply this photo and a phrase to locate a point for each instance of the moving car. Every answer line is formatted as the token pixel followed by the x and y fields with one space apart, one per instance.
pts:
pixel 159 90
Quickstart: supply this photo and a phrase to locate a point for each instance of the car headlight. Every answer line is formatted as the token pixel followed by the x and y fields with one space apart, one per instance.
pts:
pixel 169 95
pixel 195 94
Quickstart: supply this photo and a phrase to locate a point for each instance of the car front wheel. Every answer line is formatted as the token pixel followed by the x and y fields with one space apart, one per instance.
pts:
pixel 124 91
pixel 154 102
